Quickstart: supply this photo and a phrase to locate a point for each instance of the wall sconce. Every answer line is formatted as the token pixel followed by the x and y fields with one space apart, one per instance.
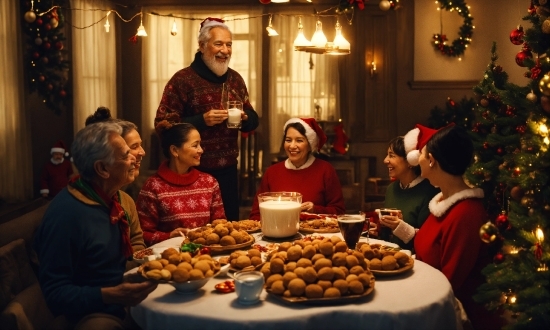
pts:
pixel 372 69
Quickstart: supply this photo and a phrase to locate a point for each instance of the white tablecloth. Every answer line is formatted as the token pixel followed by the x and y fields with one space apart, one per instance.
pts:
pixel 419 299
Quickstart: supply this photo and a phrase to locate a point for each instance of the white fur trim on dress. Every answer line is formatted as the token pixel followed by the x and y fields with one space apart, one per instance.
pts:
pixel 311 136
pixel 290 166
pixel 404 231
pixel 439 207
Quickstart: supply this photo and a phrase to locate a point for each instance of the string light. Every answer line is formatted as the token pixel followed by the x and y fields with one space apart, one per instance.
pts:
pixel 141 30
pixel 107 25
pixel 270 30
pixel 539 234
pixel 174 30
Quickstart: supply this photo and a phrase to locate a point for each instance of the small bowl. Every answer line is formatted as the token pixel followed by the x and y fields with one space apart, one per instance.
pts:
pixel 189 287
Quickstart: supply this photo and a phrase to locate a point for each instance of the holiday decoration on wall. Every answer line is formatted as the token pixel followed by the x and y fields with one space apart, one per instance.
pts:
pixel 512 165
pixel 47 68
pixel 459 45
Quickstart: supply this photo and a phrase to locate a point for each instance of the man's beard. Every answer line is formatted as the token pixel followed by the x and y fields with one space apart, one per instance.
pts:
pixel 218 68
pixel 56 161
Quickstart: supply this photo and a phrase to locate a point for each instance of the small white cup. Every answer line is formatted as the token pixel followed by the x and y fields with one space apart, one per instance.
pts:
pixel 234 111
pixel 249 286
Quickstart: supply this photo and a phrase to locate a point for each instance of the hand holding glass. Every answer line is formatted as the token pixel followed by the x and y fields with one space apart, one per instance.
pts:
pixel 234 111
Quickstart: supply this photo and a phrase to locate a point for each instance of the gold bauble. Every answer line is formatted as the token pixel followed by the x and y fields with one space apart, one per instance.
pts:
pixel 54 22
pixel 544 85
pixel 488 232
pixel 384 5
pixel 30 16
pixel 532 97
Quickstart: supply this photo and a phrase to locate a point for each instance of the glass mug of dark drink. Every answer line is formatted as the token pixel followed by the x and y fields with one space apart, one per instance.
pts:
pixel 351 227
pixel 385 233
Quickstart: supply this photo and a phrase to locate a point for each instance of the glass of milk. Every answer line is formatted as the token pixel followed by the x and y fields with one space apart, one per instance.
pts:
pixel 234 111
pixel 280 213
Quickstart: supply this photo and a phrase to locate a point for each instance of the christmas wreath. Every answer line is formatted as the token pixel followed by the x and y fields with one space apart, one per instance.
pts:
pixel 47 69
pixel 465 32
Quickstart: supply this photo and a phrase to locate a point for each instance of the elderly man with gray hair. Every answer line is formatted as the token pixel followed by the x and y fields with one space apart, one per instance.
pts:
pixel 83 242
pixel 194 95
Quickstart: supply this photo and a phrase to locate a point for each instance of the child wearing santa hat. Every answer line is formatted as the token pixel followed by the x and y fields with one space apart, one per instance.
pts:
pixel 56 173
pixel 301 172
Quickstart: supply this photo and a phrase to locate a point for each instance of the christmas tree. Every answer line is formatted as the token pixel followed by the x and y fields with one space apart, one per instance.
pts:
pixel 512 165
pixel 461 113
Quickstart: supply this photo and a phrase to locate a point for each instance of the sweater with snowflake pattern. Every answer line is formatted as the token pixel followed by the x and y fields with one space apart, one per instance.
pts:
pixel 169 200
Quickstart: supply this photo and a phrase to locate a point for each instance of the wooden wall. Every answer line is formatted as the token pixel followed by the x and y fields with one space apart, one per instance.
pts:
pixel 373 109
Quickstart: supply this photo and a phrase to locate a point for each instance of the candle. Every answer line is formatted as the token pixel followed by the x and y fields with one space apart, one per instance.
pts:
pixel 280 218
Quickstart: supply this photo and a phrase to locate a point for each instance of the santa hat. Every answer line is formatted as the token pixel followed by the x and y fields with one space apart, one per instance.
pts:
pixel 416 139
pixel 59 146
pixel 314 133
pixel 211 22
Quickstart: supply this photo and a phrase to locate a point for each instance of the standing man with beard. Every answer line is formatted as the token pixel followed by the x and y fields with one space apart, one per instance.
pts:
pixel 194 95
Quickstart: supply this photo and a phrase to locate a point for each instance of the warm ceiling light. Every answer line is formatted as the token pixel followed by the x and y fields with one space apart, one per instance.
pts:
pixel 301 40
pixel 340 46
pixel 319 39
pixel 279 1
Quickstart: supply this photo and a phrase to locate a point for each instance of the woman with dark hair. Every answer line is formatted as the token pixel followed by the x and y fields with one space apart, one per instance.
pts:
pixel 178 197
pixel 409 193
pixel 301 172
pixel 449 239
pixel 130 133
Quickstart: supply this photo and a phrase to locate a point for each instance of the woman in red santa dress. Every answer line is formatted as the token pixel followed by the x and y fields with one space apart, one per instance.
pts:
pixel 178 197
pixel 301 172
pixel 449 238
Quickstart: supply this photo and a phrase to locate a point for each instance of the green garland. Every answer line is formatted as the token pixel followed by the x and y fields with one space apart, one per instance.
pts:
pixel 458 46
pixel 47 71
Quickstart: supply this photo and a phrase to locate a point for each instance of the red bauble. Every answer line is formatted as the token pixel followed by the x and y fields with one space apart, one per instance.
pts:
pixel 59 45
pixel 46 45
pixel 498 258
pixel 36 54
pixel 516 36
pixel 502 221
pixel 41 78
pixel 522 56
pixel 38 21
pixel 62 93
pixel 44 60
pixel 500 151
pixel 265 2
pixel 485 145
pixel 47 26
pixel 50 87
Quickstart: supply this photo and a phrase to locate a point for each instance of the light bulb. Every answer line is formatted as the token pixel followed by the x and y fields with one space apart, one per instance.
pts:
pixel 174 30
pixel 319 40
pixel 141 30
pixel 340 44
pixel 270 30
pixel 107 25
pixel 301 40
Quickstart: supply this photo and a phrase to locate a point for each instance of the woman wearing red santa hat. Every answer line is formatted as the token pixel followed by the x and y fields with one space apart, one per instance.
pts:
pixel 449 239
pixel 301 172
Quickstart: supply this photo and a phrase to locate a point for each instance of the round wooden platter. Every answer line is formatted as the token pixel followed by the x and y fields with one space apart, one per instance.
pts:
pixel 216 249
pixel 387 273
pixel 323 301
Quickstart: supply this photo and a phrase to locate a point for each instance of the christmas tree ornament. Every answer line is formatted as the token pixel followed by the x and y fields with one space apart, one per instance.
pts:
pixel 44 60
pixel 30 16
pixel 498 258
pixel 516 36
pixel 527 200
pixel 38 41
pixel 544 85
pixel 384 5
pixel 502 221
pixel 546 26
pixel 522 56
pixel 46 45
pixel 36 55
pixel 545 103
pixel 41 78
pixel 59 45
pixel 517 193
pixel 39 21
pixel 265 2
pixel 62 93
pixel 532 97
pixel 488 232
pixel 54 22
pixel 484 103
